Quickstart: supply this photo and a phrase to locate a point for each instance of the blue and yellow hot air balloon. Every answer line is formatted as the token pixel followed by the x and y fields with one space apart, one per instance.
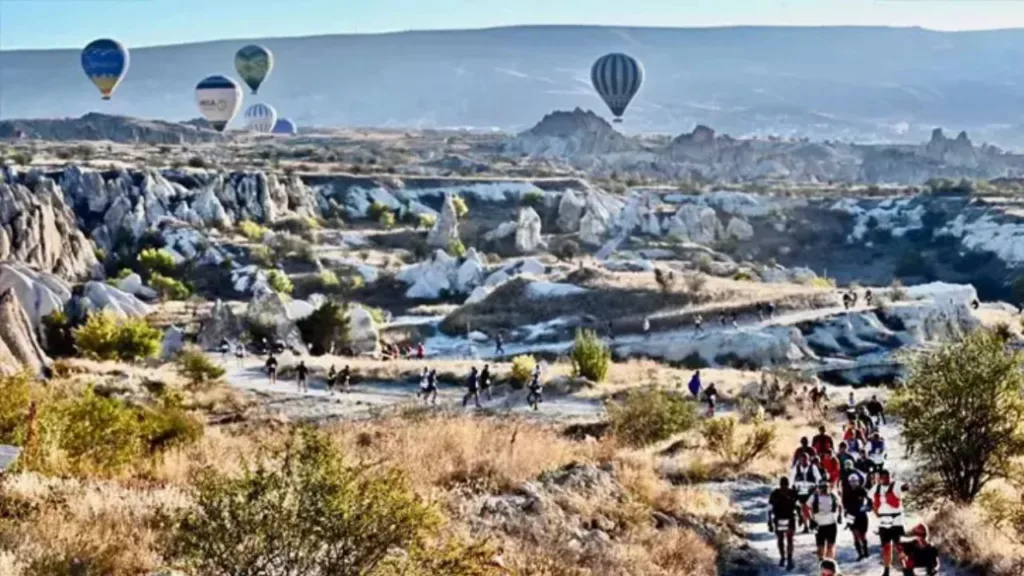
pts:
pixel 253 64
pixel 105 62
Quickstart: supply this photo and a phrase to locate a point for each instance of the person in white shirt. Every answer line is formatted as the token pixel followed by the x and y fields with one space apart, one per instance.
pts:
pixel 887 501
pixel 805 477
pixel 827 512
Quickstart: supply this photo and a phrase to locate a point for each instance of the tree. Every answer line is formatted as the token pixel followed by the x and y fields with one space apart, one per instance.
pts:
pixel 326 329
pixel 197 368
pixel 279 282
pixel 103 337
pixel 158 261
pixel 590 356
pixel 307 512
pixel 963 414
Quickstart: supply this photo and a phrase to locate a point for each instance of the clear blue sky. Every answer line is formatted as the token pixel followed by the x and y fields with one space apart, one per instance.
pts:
pixel 73 23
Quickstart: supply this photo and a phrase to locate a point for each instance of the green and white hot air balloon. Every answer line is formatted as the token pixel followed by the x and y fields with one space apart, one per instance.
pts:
pixel 254 64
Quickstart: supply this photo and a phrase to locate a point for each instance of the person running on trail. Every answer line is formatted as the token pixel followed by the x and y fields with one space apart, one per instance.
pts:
pixel 887 502
pixel 851 403
pixel 759 307
pixel 611 331
pixel 919 553
pixel 534 397
pixel 428 386
pixel 419 351
pixel 804 450
pixel 822 441
pixel 225 347
pixel 831 466
pixel 846 477
pixel 827 512
pixel 865 420
pixel 240 354
pixel 647 327
pixel 735 321
pixel 271 367
pixel 698 324
pixel 857 504
pixel 694 385
pixel 783 504
pixel 711 397
pixel 345 378
pixel 828 568
pixel 876 411
pixel 485 381
pixel 868 296
pixel 876 449
pixel 770 307
pixel 805 477
pixel 473 386
pixel 499 345
pixel 301 371
pixel 867 468
pixel 332 379
pixel 844 456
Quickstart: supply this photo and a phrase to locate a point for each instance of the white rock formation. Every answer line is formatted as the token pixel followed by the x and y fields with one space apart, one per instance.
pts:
pixel 173 342
pixel 364 336
pixel 102 296
pixel 592 228
pixel 696 224
pixel 470 273
pixel 528 238
pixel 270 310
pixel 570 211
pixel 739 229
pixel 222 324
pixel 39 294
pixel 446 229
pixel 541 290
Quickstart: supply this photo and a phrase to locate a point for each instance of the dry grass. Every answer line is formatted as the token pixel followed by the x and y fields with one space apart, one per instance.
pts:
pixel 965 534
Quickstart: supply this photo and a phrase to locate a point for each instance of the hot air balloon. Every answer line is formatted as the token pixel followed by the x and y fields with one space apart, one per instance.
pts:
pixel 284 126
pixel 105 62
pixel 254 64
pixel 260 118
pixel 617 78
pixel 219 99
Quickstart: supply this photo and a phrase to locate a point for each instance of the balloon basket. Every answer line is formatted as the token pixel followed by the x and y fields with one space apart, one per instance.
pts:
pixel 105 98
pixel 617 121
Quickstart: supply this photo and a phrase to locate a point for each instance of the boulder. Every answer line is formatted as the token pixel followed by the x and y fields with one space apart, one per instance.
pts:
pixel 470 272
pixel 570 211
pixel 173 343
pixel 19 347
pixel 101 296
pixel 364 336
pixel 479 294
pixel 528 225
pixel 504 230
pixel 695 223
pixel 429 279
pixel 131 284
pixel 269 310
pixel 592 228
pixel 446 229
pixel 222 324
pixel 39 293
pixel 739 229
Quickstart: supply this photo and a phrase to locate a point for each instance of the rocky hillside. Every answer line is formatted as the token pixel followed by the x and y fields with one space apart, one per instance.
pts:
pixel 95 126
pixel 588 142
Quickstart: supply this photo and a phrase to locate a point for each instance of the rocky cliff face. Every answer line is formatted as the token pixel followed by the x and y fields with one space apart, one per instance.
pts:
pixel 587 143
pixel 38 228
pixel 19 347
pixel 95 126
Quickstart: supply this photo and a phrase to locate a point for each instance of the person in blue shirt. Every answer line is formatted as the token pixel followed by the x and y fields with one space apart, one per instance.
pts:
pixel 695 384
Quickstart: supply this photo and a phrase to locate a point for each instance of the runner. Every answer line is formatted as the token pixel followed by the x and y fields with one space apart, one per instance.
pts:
pixel 876 449
pixel 783 504
pixel 868 297
pixel 711 397
pixel 851 403
pixel 301 371
pixel 876 411
pixel 827 512
pixel 698 324
pixel 332 379
pixel 867 423
pixel 887 501
pixel 822 442
pixel 919 553
pixel 429 388
pixel 867 468
pixel 419 351
pixel 345 378
pixel 804 450
pixel 485 381
pixel 271 367
pixel 240 354
pixel 805 478
pixel 857 504
pixel 499 345
pixel 694 384
pixel 828 568
pixel 830 465
pixel 473 385
pixel 647 327
pixel 534 397
pixel 225 347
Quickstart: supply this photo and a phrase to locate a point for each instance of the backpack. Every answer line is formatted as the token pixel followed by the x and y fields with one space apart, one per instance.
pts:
pixel 890 497
pixel 835 503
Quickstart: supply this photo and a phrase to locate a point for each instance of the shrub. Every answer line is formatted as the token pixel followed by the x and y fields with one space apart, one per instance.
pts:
pixel 287 245
pixel 22 158
pixel 328 280
pixel 123 273
pixel 664 279
pixel 377 210
pixel 426 221
pixel 590 356
pixel 651 415
pixel 456 248
pixel 532 199
pixel 251 230
pixel 99 434
pixel 522 370
pixel 279 281
pixel 261 255
pixel 720 436
pixel 157 261
pixel 386 220
pixel 695 283
pixel 15 399
pixel 378 314
pixel 743 276
pixel 57 335
pixel 196 367
pixel 461 209
pixel 104 338
pixel 822 282
pixel 326 329
pixel 169 288
pixel 313 515
pixel 896 291
pixel 963 414
pixel 169 427
pixel 196 162
pixel 568 250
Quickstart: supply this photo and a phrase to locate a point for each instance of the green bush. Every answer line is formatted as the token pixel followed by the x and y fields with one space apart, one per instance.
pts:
pixel 328 280
pixel 963 414
pixel 378 314
pixel 456 248
pixel 262 256
pixel 426 221
pixel 251 230
pixel 197 368
pixel 16 393
pixel 533 199
pixel 309 512
pixel 157 261
pixel 326 329
pixel 568 250
pixel 287 245
pixel 123 273
pixel 377 209
pixel 651 415
pixel 721 438
pixel 386 220
pixel 169 427
pixel 99 434
pixel 590 356
pixel 103 337
pixel 169 288
pixel 461 209
pixel 522 370
pixel 279 281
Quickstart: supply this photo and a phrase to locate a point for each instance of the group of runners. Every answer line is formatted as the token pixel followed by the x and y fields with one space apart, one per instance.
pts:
pixel 829 485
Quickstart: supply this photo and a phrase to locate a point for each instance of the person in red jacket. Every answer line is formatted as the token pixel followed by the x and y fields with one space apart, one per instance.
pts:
pixel 822 442
pixel 830 465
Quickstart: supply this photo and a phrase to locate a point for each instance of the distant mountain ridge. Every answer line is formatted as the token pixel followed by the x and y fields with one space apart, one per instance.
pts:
pixel 852 84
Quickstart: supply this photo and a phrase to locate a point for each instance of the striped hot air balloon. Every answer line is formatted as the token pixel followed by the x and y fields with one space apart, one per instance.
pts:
pixel 617 78
pixel 105 62
pixel 219 99
pixel 260 118
pixel 284 126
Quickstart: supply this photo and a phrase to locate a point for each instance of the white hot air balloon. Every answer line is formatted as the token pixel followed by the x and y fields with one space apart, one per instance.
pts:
pixel 260 118
pixel 219 99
